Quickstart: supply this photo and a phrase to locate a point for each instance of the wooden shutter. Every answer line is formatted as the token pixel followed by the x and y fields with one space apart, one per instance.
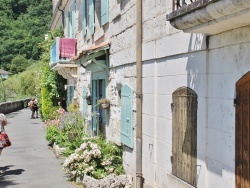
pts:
pixel 84 21
pixel 127 116
pixel 242 133
pixel 104 11
pixel 184 143
pixel 91 19
pixel 73 8
pixel 84 95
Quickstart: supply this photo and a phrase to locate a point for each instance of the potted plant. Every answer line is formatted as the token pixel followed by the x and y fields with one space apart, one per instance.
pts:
pixel 104 103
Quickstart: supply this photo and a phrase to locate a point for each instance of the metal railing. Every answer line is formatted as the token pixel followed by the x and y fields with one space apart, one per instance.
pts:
pixel 176 4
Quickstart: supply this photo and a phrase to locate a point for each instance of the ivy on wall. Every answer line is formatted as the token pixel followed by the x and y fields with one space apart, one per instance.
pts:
pixel 51 83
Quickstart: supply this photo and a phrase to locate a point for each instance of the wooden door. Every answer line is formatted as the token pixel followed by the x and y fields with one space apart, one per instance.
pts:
pixel 242 133
pixel 184 139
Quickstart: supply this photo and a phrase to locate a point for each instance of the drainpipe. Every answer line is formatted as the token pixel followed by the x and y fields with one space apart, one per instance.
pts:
pixel 62 15
pixel 139 176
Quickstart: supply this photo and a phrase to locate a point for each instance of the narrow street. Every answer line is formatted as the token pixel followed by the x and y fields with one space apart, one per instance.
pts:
pixel 29 162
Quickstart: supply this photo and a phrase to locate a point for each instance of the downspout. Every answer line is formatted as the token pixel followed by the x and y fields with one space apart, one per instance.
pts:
pixel 139 176
pixel 62 15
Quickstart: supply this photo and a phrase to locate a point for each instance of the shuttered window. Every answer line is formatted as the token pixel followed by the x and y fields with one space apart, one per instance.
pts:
pixel 84 21
pixel 184 143
pixel 91 18
pixel 127 116
pixel 104 12
pixel 73 7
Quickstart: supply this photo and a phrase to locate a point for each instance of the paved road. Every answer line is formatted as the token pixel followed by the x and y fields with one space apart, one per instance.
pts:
pixel 29 163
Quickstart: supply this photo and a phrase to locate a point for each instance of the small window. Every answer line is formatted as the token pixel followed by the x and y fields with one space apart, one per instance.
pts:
pixel 184 138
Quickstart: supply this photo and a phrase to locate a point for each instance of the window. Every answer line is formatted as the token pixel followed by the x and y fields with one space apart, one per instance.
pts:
pixel 184 138
pixel 127 116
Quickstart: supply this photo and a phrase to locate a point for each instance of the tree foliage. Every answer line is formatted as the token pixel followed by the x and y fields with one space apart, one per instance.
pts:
pixel 23 24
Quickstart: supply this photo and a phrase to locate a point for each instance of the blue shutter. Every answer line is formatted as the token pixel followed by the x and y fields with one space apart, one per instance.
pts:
pixel 73 8
pixel 91 17
pixel 104 112
pixel 104 11
pixel 68 96
pixel 127 116
pixel 84 95
pixel 84 23
pixel 67 24
pixel 94 108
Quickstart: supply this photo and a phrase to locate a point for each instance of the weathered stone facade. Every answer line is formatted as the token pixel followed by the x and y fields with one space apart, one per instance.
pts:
pixel 210 65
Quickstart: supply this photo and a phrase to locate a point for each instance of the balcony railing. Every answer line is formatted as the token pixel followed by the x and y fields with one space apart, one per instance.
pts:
pixel 176 4
pixel 209 16
pixel 63 53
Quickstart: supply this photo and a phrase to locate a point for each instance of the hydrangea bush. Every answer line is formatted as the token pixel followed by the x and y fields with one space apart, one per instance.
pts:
pixel 94 158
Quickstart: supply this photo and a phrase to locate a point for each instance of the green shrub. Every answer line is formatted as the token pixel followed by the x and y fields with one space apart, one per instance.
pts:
pixel 96 158
pixel 93 156
pixel 51 133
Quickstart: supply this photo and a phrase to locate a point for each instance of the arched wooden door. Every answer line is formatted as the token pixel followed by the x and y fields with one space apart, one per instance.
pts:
pixel 242 133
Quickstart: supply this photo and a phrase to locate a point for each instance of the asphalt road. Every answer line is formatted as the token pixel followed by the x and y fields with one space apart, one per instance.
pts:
pixel 29 162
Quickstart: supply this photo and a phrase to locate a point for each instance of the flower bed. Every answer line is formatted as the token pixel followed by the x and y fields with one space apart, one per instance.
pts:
pixel 85 155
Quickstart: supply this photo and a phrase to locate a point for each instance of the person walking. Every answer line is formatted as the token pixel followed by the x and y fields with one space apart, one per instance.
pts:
pixel 3 122
pixel 34 108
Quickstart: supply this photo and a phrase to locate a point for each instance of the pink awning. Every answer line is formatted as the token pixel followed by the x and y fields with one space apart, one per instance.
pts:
pixel 67 47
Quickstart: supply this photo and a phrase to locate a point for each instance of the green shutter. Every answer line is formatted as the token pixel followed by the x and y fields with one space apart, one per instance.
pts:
pixel 104 112
pixel 84 24
pixel 73 8
pixel 94 108
pixel 127 116
pixel 68 96
pixel 84 95
pixel 67 24
pixel 91 17
pixel 104 11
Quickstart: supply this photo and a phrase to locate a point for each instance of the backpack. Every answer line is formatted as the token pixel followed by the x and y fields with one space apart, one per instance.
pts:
pixel 30 104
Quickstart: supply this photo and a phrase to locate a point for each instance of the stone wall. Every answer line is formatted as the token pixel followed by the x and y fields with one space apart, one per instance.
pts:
pixel 13 106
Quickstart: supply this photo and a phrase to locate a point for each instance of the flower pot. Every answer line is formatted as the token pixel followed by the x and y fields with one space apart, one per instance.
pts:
pixel 105 105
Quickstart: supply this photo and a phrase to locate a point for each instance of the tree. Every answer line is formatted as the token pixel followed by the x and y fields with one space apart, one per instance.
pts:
pixel 23 25
pixel 18 64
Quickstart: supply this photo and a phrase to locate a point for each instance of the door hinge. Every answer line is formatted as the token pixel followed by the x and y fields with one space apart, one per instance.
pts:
pixel 235 102
pixel 172 107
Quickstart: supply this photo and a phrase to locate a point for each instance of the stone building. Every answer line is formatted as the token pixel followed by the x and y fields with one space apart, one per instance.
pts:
pixel 195 85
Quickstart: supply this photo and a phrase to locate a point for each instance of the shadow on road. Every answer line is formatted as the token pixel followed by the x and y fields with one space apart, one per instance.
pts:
pixel 5 181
